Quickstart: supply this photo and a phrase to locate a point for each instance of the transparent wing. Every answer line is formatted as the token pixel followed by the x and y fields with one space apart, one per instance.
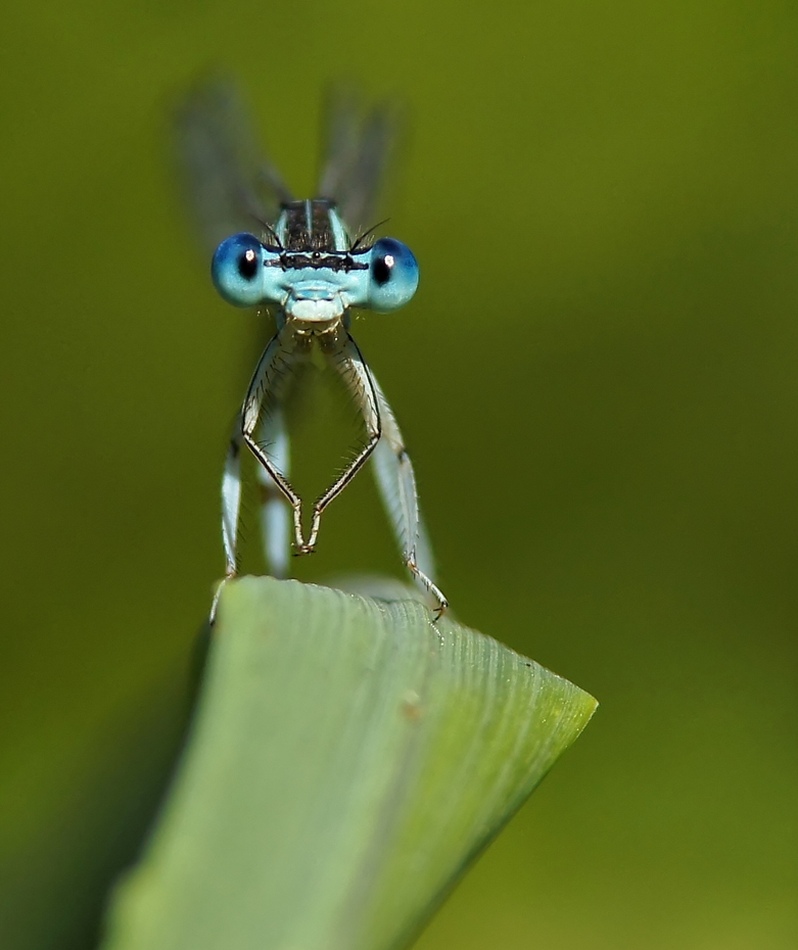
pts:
pixel 358 150
pixel 229 186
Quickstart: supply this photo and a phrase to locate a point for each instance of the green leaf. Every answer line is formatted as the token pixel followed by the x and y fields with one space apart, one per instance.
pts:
pixel 348 760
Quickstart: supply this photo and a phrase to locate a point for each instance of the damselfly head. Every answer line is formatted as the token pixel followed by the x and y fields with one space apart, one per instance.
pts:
pixel 314 286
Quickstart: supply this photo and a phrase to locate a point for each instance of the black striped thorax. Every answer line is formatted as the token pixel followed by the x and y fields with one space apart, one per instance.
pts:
pixel 311 234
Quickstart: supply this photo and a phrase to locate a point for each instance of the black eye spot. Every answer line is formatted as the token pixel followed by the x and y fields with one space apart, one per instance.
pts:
pixel 381 269
pixel 248 264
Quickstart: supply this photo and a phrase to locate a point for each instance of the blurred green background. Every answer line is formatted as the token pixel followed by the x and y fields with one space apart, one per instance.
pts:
pixel 597 382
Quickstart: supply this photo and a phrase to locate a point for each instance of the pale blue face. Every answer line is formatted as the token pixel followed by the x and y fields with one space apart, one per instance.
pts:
pixel 314 286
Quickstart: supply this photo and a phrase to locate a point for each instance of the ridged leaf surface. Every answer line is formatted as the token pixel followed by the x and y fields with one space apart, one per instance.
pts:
pixel 347 760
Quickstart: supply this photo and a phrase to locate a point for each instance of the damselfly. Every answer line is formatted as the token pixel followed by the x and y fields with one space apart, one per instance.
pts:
pixel 310 271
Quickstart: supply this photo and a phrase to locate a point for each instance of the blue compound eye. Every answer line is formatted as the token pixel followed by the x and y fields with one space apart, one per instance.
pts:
pixel 393 275
pixel 237 270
